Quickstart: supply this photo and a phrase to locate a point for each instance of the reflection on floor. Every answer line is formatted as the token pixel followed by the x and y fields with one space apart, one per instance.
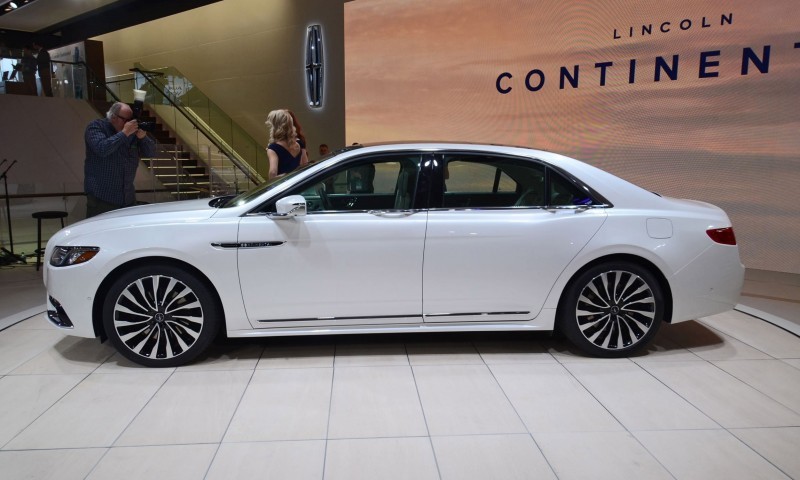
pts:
pixel 718 397
pixel 774 297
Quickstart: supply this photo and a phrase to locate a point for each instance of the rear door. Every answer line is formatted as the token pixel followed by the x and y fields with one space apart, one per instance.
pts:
pixel 498 242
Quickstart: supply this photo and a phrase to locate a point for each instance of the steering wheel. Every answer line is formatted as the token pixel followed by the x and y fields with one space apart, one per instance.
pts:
pixel 323 197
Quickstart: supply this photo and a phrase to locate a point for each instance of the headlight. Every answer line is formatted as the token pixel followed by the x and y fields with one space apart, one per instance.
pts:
pixel 65 256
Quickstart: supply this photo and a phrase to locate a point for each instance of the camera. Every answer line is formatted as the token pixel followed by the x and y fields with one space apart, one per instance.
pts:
pixel 147 126
pixel 138 104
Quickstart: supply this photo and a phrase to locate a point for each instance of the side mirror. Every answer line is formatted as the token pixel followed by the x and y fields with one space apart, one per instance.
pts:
pixel 291 206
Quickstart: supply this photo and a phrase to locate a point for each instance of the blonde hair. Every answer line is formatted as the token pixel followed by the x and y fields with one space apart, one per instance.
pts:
pixel 280 126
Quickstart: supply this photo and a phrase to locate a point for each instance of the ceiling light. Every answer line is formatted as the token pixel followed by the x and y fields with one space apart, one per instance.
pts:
pixel 8 7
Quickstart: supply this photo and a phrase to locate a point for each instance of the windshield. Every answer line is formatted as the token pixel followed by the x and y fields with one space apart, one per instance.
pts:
pixel 256 192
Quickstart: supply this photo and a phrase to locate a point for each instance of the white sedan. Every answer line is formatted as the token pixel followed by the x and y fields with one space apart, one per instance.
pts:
pixel 398 238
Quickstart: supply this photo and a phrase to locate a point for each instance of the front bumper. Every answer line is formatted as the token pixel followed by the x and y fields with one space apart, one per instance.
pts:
pixel 70 297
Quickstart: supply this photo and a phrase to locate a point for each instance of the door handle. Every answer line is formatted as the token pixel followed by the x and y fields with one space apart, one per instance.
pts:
pixel 391 213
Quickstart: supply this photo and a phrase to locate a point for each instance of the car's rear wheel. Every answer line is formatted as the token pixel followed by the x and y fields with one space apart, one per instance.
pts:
pixel 160 316
pixel 612 309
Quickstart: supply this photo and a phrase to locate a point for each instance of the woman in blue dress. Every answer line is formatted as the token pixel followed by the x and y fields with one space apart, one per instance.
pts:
pixel 284 152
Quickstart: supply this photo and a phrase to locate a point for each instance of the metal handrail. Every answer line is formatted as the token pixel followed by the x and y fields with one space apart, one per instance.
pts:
pixel 220 144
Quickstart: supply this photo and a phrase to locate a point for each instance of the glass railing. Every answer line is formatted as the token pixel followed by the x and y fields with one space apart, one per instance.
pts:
pixel 173 88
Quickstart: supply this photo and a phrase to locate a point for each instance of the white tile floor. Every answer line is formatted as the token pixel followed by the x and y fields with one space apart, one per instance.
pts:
pixel 716 398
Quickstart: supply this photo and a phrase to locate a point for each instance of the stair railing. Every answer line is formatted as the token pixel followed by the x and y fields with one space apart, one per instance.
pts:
pixel 163 91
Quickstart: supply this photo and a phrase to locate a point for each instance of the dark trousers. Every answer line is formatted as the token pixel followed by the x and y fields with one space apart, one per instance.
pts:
pixel 95 206
pixel 29 80
pixel 47 85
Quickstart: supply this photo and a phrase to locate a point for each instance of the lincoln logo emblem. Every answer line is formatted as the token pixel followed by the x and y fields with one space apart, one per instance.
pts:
pixel 315 78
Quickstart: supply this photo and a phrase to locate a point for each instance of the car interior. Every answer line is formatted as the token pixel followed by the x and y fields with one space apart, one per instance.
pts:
pixel 388 182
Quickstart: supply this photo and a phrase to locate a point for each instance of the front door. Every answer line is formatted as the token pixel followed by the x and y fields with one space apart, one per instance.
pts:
pixel 355 258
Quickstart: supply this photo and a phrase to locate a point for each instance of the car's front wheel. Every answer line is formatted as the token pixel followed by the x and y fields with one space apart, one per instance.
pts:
pixel 160 316
pixel 612 309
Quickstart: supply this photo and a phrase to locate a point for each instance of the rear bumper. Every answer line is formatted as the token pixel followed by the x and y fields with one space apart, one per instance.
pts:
pixel 709 284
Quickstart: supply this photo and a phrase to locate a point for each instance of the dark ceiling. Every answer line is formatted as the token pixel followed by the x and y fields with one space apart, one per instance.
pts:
pixel 54 23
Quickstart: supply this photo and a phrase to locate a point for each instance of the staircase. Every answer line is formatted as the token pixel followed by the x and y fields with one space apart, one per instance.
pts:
pixel 175 167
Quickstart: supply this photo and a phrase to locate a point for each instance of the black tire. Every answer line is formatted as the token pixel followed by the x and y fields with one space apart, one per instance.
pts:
pixel 160 316
pixel 612 309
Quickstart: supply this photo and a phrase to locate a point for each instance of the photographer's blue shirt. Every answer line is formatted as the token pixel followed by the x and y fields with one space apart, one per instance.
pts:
pixel 111 162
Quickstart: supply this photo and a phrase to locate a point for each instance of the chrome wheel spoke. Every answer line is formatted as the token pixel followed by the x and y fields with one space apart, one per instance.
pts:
pixel 158 317
pixel 615 309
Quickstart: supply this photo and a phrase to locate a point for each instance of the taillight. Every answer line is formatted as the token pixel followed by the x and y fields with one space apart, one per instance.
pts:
pixel 724 236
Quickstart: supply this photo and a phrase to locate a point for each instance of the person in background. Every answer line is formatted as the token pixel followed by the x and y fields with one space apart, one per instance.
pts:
pixel 27 66
pixel 114 146
pixel 301 137
pixel 361 179
pixel 44 68
pixel 324 149
pixel 284 151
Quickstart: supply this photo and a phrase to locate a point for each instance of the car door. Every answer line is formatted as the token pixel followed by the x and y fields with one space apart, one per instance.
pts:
pixel 499 241
pixel 354 258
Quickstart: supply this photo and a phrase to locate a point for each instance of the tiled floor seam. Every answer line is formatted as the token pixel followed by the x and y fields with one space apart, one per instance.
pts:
pixel 777 467
pixel 330 409
pixel 753 387
pixel 776 400
pixel 593 395
pixel 736 337
pixel 424 416
pixel 43 412
pixel 627 430
pixel 230 420
pixel 133 419
pixel 782 323
pixel 530 434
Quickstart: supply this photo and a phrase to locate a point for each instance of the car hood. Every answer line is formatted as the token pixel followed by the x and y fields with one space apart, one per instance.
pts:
pixel 199 208
pixel 168 212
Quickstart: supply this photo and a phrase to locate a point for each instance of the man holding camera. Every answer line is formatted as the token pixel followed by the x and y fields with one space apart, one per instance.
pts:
pixel 114 146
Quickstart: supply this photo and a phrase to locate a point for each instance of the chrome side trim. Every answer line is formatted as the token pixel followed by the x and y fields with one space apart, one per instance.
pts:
pixel 427 315
pixel 230 245
pixel 473 314
pixel 317 319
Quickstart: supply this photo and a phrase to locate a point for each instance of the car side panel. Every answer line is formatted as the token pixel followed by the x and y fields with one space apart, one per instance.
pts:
pixel 704 277
pixel 332 269
pixel 483 265
pixel 75 286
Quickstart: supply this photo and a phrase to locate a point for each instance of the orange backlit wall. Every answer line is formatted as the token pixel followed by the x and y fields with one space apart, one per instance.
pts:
pixel 690 99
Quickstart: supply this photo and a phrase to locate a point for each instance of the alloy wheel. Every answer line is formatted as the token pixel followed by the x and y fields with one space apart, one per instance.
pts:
pixel 158 317
pixel 615 309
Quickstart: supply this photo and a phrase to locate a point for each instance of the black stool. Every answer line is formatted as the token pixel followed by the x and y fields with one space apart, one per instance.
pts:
pixel 39 216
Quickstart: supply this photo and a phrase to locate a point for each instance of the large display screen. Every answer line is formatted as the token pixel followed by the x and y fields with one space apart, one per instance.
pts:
pixel 688 99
